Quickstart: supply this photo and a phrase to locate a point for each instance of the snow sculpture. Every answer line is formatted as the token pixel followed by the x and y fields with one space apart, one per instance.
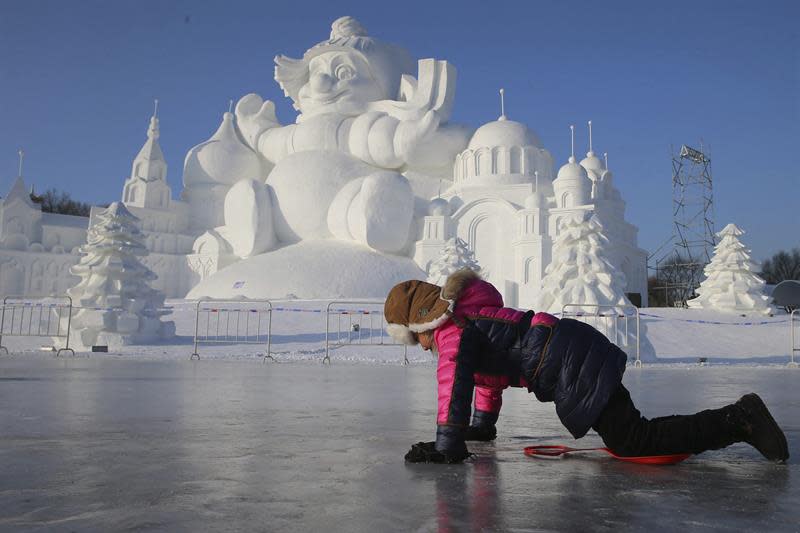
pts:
pixel 116 304
pixel 580 273
pixel 363 119
pixel 455 256
pixel 731 284
pixel 246 214
pixel 211 168
pixel 351 183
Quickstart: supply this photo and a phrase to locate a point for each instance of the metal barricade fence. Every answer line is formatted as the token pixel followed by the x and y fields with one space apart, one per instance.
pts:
pixel 614 321
pixel 37 317
pixel 233 322
pixel 361 326
pixel 794 338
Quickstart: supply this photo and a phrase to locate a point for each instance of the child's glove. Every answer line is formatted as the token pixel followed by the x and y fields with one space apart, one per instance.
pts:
pixel 426 452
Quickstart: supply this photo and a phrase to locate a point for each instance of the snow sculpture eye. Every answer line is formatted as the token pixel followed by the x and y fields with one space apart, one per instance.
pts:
pixel 345 72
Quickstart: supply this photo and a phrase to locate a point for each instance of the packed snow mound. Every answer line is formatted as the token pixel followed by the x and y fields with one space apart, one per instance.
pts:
pixel 310 269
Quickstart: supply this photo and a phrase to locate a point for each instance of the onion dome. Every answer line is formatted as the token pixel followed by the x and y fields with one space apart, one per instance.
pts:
pixel 572 171
pixel 439 207
pixel 572 185
pixel 593 164
pixel 224 159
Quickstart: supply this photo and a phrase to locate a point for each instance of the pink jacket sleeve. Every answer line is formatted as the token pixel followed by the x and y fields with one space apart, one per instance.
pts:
pixel 447 340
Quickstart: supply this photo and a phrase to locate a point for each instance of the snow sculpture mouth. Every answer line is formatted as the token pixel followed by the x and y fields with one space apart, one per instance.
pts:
pixel 328 99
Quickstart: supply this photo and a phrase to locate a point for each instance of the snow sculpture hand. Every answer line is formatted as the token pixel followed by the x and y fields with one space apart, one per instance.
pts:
pixel 412 133
pixel 254 116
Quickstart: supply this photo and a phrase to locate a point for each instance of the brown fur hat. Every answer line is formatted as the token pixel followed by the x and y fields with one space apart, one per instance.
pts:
pixel 415 306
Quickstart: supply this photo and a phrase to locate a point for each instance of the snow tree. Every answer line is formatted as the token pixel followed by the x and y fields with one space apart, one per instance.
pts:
pixel 580 272
pixel 115 304
pixel 731 283
pixel 455 256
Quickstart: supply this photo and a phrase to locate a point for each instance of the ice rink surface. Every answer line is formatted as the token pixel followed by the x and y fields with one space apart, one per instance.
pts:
pixel 113 444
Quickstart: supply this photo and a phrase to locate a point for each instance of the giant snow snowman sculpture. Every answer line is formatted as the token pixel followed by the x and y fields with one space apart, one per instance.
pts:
pixel 344 184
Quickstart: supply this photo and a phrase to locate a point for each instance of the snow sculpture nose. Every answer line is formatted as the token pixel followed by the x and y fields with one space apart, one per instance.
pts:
pixel 321 82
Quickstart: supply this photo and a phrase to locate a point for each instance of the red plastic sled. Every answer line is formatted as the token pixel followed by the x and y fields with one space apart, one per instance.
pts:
pixel 557 450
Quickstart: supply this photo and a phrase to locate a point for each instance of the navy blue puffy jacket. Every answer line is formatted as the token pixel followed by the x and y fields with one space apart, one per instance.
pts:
pixel 580 371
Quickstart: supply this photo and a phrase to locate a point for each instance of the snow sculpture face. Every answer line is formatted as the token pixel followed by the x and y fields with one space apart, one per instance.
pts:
pixel 344 73
pixel 338 82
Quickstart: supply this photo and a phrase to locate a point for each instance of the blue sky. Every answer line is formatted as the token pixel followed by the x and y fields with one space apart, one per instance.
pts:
pixel 78 78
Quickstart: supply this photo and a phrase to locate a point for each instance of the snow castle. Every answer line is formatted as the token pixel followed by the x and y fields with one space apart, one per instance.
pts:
pixel 362 191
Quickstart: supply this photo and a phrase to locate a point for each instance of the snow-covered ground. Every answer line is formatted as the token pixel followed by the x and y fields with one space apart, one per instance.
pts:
pixel 298 334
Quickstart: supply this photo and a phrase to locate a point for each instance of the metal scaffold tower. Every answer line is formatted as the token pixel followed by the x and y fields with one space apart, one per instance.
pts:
pixel 680 271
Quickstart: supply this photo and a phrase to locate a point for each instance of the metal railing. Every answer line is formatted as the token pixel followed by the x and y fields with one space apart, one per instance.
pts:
pixel 793 347
pixel 614 321
pixel 233 322
pixel 357 326
pixel 37 317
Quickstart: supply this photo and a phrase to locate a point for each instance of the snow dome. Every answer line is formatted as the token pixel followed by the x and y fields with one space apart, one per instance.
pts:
pixel 502 151
pixel 439 207
pixel 535 200
pixel 572 186
pixel 223 159
pixel 592 164
pixel 503 132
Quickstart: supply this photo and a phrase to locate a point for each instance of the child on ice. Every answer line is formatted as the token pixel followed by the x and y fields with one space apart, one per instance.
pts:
pixel 485 347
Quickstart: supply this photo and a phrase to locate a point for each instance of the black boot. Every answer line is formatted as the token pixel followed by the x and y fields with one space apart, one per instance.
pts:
pixel 760 430
pixel 482 427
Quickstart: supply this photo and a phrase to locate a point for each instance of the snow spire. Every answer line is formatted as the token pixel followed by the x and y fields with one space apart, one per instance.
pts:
pixel 572 137
pixel 591 152
pixel 536 177
pixel 502 105
pixel 230 106
pixel 18 191
pixel 605 158
pixel 153 132
pixel 150 164
pixel 731 284
pixel 147 185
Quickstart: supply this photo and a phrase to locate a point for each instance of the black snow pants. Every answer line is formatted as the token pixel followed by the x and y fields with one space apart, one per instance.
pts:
pixel 627 433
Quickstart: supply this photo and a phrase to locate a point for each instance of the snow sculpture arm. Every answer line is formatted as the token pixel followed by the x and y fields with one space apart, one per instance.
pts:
pixel 386 142
pixel 390 134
